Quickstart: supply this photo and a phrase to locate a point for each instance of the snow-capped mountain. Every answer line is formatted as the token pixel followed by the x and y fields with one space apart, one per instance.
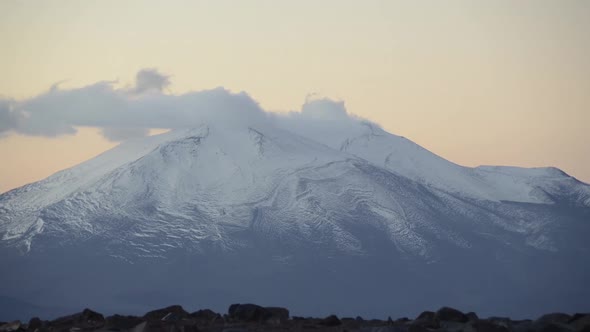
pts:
pixel 355 221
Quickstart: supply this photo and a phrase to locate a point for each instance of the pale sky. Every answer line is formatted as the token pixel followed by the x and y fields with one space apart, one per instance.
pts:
pixel 477 82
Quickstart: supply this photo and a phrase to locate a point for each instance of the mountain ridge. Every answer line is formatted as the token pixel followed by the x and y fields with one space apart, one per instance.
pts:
pixel 219 204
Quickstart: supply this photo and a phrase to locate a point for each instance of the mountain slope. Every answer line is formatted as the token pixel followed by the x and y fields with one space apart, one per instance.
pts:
pixel 221 214
pixel 494 183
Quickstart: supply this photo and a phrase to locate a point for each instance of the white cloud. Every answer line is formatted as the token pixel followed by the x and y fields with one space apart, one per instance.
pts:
pixel 131 112
pixel 324 120
pixel 150 80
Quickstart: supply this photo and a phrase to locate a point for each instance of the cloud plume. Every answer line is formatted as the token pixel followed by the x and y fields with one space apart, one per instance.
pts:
pixel 150 80
pixel 130 112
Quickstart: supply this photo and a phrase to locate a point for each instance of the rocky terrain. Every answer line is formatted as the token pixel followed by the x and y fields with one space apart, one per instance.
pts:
pixel 251 317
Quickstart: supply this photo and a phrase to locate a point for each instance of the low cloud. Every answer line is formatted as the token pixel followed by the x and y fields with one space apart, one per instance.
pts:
pixel 8 118
pixel 150 80
pixel 131 112
pixel 324 120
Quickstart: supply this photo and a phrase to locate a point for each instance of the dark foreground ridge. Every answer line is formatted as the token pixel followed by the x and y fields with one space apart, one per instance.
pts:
pixel 251 317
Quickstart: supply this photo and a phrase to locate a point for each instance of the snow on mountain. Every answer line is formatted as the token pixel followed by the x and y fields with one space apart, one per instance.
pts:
pixel 406 158
pixel 353 207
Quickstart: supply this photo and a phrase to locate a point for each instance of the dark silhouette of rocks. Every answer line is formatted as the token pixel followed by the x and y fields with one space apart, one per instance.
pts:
pixel 171 313
pixel 121 323
pixel 580 322
pixel 277 313
pixel 247 313
pixel 486 326
pixel 472 316
pixel 331 320
pixel 255 313
pixel 206 317
pixel 255 318
pixel 450 315
pixel 11 326
pixel 426 319
pixel 86 320
pixel 35 323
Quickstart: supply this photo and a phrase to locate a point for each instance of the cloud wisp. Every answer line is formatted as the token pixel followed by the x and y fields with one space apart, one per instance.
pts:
pixel 131 112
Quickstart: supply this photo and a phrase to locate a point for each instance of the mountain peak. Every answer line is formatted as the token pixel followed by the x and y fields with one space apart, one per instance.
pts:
pixel 264 203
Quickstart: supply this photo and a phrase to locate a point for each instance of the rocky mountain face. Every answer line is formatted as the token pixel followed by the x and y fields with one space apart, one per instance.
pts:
pixel 352 222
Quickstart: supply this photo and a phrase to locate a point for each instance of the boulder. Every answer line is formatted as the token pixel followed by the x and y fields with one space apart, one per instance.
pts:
pixel 118 322
pixel 552 327
pixel 580 322
pixel 388 328
pixel 10 327
pixel 331 320
pixel 85 320
pixel 426 315
pixel 450 326
pixel 35 323
pixel 426 319
pixel 521 326
pixel 141 327
pixel 451 315
pixel 556 317
pixel 171 313
pixel 277 312
pixel 205 315
pixel 186 326
pixel 248 313
pixel 472 316
pixel 577 316
pixel 417 328
pixel 553 322
pixel 485 326
pixel 503 321
pixel 349 323
pixel 165 326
